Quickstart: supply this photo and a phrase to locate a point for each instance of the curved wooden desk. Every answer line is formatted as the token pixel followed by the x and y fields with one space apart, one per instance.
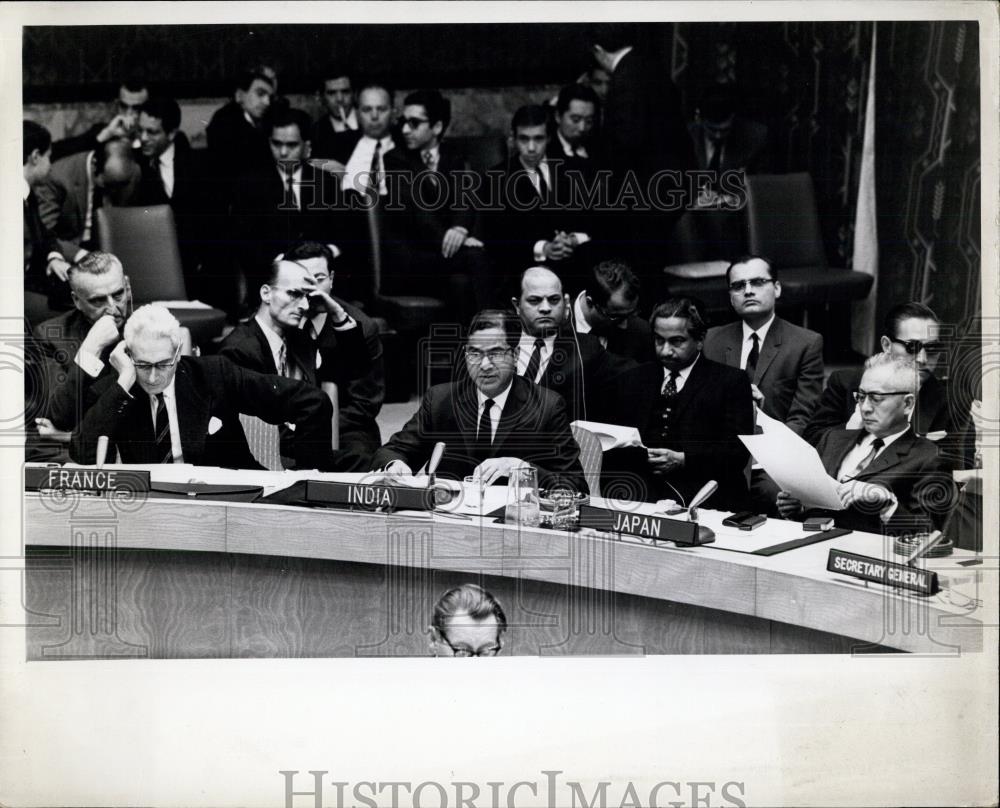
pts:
pixel 175 578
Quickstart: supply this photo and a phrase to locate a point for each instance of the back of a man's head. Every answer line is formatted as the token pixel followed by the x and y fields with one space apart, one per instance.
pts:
pixel 608 277
pixel 36 137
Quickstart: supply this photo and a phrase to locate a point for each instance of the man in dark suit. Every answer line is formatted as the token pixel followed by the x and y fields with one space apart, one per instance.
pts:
pixel 429 239
pixel 553 355
pixel 910 330
pixel 608 308
pixel 725 141
pixel 537 220
pixel 891 481
pixel 492 422
pixel 784 362
pixel 575 115
pixel 336 94
pixel 237 141
pixel 45 266
pixel 165 408
pixel 689 411
pixel 360 399
pixel 277 339
pixel 133 92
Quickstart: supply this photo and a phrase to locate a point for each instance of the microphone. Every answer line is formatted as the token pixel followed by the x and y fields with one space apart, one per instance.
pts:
pixel 102 450
pixel 435 460
pixel 704 493
pixel 932 541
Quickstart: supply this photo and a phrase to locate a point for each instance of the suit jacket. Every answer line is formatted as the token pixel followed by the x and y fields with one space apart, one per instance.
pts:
pixel 789 368
pixel 39 241
pixel 206 388
pixel 325 143
pixel 745 147
pixel 533 427
pixel 836 406
pixel 711 410
pixel 909 467
pixel 235 145
pixel 635 341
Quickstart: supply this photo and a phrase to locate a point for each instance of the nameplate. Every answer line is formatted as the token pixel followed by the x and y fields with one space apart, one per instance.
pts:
pixel 130 481
pixel 658 528
pixel 878 571
pixel 350 496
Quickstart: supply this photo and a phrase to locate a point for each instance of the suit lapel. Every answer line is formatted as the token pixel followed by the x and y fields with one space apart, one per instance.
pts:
pixel 891 456
pixel 265 347
pixel 696 379
pixel 192 415
pixel 512 410
pixel 769 350
pixel 466 414
pixel 840 444
pixel 732 338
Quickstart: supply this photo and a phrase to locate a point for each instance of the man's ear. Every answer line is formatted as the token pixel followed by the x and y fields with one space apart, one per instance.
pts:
pixel 777 288
pixel 567 308
pixel 34 157
pixel 306 150
pixel 265 293
pixel 437 129
pixel 513 303
pixel 886 344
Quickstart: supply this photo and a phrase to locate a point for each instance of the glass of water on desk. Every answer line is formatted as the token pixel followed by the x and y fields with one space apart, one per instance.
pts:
pixel 523 507
pixel 473 493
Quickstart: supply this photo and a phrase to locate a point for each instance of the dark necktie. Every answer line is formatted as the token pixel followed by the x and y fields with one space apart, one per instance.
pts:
pixel 156 178
pixel 164 450
pixel 484 434
pixel 866 461
pixel 753 356
pixel 283 360
pixel 374 172
pixel 534 361
pixel 668 397
pixel 543 188
pixel 290 198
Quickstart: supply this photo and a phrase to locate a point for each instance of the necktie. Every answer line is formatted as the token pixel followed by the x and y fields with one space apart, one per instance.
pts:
pixel 283 361
pixel 543 190
pixel 290 197
pixel 157 179
pixel 753 356
pixel 374 172
pixel 534 361
pixel 485 433
pixel 430 160
pixel 164 450
pixel 668 395
pixel 866 461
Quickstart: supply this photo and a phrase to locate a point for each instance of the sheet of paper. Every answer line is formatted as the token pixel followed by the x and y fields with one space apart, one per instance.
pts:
pixel 183 304
pixel 794 465
pixel 611 436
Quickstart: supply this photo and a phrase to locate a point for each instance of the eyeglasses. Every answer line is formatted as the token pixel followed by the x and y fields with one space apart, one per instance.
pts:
pixel 414 123
pixel 914 346
pixel 878 398
pixel 489 651
pixel 146 367
pixel 753 283
pixel 495 355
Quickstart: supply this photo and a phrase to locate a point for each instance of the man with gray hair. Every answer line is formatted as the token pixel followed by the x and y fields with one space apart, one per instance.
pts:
pixel 891 481
pixel 168 408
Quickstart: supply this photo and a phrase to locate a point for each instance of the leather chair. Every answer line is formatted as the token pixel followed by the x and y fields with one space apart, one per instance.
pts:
pixel 145 241
pixel 591 457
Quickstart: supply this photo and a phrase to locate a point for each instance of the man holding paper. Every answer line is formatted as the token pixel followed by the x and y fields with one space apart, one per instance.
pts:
pixel 889 480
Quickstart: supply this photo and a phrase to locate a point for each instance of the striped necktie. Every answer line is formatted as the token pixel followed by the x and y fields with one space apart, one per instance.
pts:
pixel 164 449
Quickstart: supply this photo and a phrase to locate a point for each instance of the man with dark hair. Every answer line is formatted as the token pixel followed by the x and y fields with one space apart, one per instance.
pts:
pixel 491 420
pixel 725 141
pixel 467 622
pixel 336 95
pixel 360 152
pixel 576 113
pixel 428 236
pixel 689 411
pixel 132 94
pixel 910 330
pixel 608 308
pixel 236 140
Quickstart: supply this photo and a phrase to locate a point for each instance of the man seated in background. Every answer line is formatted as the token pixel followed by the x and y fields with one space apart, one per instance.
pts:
pixel 689 412
pixel 783 361
pixel 724 140
pixel 133 92
pixel 891 480
pixel 277 339
pixel 428 241
pixel 575 115
pixel 467 622
pixel 491 421
pixel 336 94
pixel 608 308
pixel 551 354
pixel 911 330
pixel 360 399
pixel 166 408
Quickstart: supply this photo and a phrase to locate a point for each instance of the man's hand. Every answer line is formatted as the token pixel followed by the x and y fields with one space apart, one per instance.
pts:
pixel 332 167
pixel 495 468
pixel 758 397
pixel 47 430
pixel 788 506
pixel 102 334
pixel 397 469
pixel 558 249
pixel 333 308
pixel 603 58
pixel 866 496
pixel 58 267
pixel 453 241
pixel 118 127
pixel 664 461
pixel 122 363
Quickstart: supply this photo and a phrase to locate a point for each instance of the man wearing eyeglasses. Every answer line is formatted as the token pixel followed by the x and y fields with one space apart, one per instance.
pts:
pixel 467 622
pixel 491 421
pixel 890 480
pixel 910 331
pixel 168 408
pixel 608 308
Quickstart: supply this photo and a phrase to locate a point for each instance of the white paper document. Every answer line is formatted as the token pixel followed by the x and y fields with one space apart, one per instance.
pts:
pixel 611 436
pixel 793 464
pixel 183 304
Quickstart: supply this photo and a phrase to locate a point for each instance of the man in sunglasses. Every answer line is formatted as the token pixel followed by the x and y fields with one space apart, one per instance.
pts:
pixel 490 420
pixel 911 331
pixel 890 480
pixel 166 408
pixel 608 308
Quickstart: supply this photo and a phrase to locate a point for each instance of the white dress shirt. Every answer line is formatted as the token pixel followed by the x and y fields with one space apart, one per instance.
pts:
pixel 276 342
pixel 569 150
pixel 526 347
pixel 296 184
pixel 748 343
pixel 860 452
pixel 499 401
pixel 682 376
pixel 341 126
pixel 170 399
pixel 357 172
pixel 166 167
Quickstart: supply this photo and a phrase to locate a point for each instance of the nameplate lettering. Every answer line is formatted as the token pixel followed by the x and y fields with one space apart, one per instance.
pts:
pixel 37 478
pixel 642 525
pixel 878 571
pixel 368 497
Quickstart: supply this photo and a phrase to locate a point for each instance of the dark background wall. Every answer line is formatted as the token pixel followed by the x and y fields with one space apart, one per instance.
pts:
pixel 806 80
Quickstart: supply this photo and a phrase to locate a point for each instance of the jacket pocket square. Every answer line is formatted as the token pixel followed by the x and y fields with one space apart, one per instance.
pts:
pixel 214 425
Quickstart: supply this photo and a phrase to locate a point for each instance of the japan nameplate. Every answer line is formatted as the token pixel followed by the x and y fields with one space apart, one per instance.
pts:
pixel 644 526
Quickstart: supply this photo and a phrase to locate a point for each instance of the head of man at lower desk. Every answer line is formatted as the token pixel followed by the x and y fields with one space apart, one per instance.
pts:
pixel 467 622
pixel 490 420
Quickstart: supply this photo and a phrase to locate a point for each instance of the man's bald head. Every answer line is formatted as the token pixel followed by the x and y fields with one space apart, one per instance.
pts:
pixel 541 304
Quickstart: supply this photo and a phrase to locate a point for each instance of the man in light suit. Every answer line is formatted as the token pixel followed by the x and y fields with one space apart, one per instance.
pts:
pixel 492 422
pixel 891 481
pixel 167 408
